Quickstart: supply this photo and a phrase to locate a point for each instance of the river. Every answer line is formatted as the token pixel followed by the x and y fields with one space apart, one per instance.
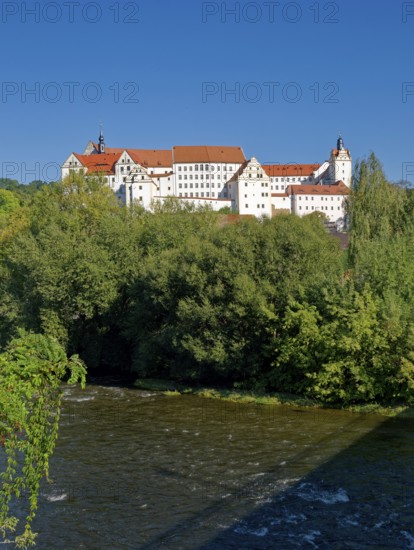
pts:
pixel 139 470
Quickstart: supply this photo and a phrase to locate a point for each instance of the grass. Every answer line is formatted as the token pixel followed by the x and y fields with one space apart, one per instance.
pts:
pixel 170 388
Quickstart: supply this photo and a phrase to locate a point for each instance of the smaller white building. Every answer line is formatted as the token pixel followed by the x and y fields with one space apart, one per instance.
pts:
pixel 328 199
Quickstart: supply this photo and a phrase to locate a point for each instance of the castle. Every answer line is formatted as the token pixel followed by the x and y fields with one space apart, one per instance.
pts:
pixel 220 176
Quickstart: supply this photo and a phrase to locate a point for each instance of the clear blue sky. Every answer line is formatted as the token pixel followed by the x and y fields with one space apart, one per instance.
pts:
pixel 167 50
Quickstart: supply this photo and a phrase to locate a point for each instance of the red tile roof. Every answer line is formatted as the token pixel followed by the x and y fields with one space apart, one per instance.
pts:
pixel 151 157
pixel 277 170
pixel 338 189
pixel 104 163
pixel 144 157
pixel 208 153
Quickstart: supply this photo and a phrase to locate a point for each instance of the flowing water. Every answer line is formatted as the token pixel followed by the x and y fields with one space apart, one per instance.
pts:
pixel 139 470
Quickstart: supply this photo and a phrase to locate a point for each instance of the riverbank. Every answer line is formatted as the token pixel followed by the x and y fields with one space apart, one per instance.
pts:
pixel 172 388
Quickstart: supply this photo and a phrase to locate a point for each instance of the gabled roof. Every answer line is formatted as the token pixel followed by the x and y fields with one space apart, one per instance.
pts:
pixel 277 170
pixel 144 157
pixel 151 157
pixel 208 153
pixel 99 163
pixel 339 188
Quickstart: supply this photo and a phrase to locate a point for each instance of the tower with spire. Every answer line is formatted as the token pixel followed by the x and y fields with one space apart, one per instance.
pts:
pixel 101 142
pixel 341 163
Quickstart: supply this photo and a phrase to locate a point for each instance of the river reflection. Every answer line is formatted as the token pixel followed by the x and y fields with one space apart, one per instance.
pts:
pixel 139 470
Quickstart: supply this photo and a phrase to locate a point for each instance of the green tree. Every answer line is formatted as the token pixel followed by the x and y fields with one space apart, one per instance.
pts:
pixel 31 372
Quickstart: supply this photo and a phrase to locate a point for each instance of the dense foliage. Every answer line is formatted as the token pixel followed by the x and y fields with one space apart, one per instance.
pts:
pixel 258 304
pixel 196 296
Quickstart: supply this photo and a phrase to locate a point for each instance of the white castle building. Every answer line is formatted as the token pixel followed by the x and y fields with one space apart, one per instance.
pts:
pixel 220 176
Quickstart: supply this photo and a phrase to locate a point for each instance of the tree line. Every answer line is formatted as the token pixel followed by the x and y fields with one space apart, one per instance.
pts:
pixel 267 305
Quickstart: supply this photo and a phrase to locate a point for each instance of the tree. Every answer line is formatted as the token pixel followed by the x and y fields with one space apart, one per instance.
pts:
pixel 31 372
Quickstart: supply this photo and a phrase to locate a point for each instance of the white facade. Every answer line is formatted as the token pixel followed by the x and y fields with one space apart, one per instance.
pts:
pixel 250 190
pixel 220 177
pixel 329 200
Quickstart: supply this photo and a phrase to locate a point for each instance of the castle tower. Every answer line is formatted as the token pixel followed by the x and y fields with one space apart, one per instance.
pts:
pixel 101 143
pixel 341 164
